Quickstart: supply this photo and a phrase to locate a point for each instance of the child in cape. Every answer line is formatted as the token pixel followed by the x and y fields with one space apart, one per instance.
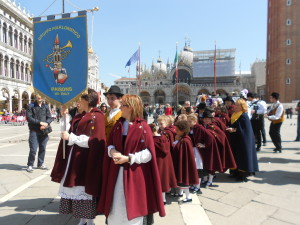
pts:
pixel 184 160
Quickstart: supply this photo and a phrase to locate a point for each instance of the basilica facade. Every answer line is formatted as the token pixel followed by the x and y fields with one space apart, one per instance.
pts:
pixel 157 85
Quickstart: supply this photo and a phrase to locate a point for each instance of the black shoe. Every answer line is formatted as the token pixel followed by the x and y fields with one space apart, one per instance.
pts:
pixel 185 201
pixel 257 149
pixel 178 195
pixel 277 150
pixel 297 140
pixel 243 179
pixel 165 203
pixel 208 184
pixel 265 144
pixel 197 191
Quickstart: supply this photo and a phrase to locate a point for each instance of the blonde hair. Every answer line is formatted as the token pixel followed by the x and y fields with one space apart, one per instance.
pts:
pixel 193 117
pixel 164 118
pixel 171 120
pixel 135 103
pixel 243 104
pixel 182 117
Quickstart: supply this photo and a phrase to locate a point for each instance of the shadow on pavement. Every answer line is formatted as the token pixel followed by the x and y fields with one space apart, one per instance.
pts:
pixel 277 177
pixel 40 219
pixel 31 205
pixel 277 160
pixel 12 167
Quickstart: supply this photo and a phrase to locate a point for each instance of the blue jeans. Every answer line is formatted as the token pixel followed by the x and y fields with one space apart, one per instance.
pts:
pixel 37 140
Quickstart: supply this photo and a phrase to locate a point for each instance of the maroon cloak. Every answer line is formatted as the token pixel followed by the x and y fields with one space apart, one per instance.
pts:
pixel 164 163
pixel 170 133
pixel 142 187
pixel 227 158
pixel 223 118
pixel 210 154
pixel 85 168
pixel 218 122
pixel 184 162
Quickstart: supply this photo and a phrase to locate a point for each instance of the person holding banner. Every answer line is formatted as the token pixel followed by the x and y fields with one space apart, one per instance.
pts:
pixel 80 172
pixel 131 184
pixel 113 96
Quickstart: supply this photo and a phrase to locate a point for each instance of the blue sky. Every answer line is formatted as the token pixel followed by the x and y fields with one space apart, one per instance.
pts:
pixel 120 25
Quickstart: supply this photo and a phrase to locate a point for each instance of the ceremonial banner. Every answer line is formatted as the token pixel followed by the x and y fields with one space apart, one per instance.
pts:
pixel 60 59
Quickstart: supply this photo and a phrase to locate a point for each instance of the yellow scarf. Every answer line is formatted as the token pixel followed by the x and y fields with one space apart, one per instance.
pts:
pixel 235 116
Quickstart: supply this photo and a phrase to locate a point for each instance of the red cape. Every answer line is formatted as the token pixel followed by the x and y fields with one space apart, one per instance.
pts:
pixel 210 154
pixel 164 163
pixel 142 187
pixel 85 167
pixel 170 133
pixel 227 158
pixel 223 118
pixel 184 162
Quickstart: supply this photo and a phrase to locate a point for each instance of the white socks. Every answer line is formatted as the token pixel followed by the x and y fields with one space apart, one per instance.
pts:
pixel 187 193
pixel 210 178
pixel 90 222
pixel 82 221
pixel 86 221
pixel 198 185
pixel 164 196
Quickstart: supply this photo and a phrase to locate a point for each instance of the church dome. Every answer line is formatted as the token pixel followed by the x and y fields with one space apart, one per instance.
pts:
pixel 159 66
pixel 186 56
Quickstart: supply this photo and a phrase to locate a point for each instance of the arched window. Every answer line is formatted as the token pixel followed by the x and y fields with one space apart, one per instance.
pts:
pixel 4 33
pixel 22 71
pixel 288 22
pixel 21 42
pixel 1 65
pixel 12 68
pixel 16 39
pixel 29 46
pixel 6 66
pixel 18 69
pixel 25 44
pixel 288 42
pixel 10 36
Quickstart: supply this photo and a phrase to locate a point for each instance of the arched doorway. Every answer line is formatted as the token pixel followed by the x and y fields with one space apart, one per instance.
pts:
pixel 159 97
pixel 184 76
pixel 184 94
pixel 221 92
pixel 15 101
pixel 146 98
pixel 203 91
pixel 25 99
pixel 4 103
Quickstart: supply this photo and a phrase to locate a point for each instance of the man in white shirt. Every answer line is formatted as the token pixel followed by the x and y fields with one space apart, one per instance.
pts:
pixel 257 110
pixel 276 116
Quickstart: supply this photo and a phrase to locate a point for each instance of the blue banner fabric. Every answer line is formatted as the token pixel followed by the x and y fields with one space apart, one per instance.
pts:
pixel 133 59
pixel 60 59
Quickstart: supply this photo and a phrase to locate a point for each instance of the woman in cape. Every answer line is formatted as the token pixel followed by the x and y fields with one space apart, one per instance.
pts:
pixel 80 171
pixel 131 183
pixel 242 142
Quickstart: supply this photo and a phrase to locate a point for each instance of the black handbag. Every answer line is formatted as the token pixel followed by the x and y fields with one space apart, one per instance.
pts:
pixel 47 130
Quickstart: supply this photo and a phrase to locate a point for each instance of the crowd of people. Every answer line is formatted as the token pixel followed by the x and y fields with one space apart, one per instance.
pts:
pixel 111 161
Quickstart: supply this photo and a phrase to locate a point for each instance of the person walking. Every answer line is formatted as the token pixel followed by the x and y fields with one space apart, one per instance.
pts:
pixel 39 118
pixel 298 121
pixel 276 116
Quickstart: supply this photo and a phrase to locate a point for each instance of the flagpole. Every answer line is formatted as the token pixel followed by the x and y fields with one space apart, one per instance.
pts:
pixel 139 69
pixel 176 76
pixel 215 69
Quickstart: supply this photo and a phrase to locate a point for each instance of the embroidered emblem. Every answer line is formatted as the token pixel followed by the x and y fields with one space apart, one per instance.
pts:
pixel 142 140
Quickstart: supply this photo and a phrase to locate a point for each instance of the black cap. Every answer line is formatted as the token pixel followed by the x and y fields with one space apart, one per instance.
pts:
pixel 114 90
pixel 207 114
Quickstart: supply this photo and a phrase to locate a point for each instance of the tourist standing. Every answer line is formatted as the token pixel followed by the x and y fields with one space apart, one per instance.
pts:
pixel 39 118
pixel 298 121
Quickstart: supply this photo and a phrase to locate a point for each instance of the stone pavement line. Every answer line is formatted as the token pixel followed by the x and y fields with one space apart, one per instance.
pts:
pixel 8 145
pixel 49 156
pixel 10 137
pixel 189 215
pixel 24 186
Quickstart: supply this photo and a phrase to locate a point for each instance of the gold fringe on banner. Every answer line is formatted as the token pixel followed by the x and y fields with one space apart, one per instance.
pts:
pixel 70 103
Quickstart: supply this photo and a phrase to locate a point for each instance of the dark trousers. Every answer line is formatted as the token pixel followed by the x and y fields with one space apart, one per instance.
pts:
pixel 263 131
pixel 275 135
pixel 37 140
pixel 298 128
pixel 257 128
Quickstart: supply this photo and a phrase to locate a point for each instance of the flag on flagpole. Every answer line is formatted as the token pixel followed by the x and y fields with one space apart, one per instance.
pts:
pixel 176 67
pixel 133 59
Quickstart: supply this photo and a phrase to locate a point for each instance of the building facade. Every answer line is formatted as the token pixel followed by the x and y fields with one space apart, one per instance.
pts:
pixel 195 77
pixel 283 49
pixel 15 56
